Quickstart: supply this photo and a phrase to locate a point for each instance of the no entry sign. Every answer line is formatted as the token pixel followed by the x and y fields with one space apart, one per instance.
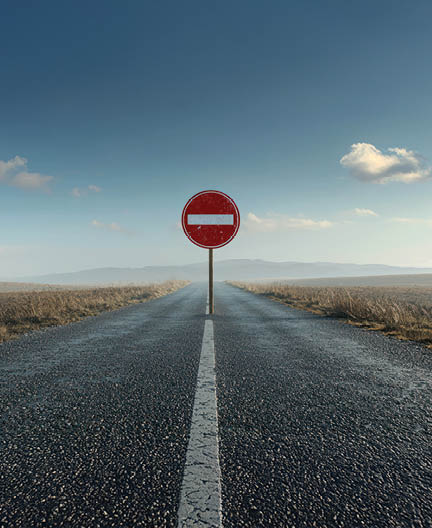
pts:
pixel 210 219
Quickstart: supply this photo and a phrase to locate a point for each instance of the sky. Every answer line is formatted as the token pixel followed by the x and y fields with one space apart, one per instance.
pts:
pixel 314 116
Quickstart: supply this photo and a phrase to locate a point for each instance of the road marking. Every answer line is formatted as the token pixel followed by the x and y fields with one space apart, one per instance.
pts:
pixel 200 497
pixel 210 219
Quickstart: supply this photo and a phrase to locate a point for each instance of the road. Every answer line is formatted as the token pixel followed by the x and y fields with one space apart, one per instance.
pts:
pixel 311 422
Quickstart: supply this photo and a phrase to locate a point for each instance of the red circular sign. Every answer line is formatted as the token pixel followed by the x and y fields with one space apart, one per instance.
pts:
pixel 210 219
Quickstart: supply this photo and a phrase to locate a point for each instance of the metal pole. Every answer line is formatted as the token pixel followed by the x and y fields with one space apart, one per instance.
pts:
pixel 211 299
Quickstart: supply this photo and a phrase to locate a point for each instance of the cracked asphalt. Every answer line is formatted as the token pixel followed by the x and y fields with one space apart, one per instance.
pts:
pixel 95 417
pixel 320 424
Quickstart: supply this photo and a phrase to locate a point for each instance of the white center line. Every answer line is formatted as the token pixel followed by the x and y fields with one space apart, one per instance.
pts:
pixel 200 498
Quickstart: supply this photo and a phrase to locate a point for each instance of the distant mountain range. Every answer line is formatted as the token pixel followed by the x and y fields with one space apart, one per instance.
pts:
pixel 237 269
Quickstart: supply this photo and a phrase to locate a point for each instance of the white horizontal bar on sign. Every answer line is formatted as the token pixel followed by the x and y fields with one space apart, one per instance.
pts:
pixel 210 219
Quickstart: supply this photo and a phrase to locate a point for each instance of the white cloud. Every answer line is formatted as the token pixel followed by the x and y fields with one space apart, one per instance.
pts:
pixel 364 212
pixel 369 164
pixel 77 192
pixel 11 174
pixel 278 222
pixel 30 180
pixel 413 221
pixel 7 166
pixel 110 227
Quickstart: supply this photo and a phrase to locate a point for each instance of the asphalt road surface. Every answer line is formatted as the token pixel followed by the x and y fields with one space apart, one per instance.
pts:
pixel 277 417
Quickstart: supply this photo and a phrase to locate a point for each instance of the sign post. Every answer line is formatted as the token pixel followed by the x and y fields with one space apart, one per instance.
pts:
pixel 210 219
pixel 211 301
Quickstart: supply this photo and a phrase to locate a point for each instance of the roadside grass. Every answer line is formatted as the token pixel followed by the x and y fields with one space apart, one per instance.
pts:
pixel 403 312
pixel 21 312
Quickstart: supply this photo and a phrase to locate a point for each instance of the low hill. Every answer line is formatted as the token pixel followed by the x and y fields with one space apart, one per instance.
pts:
pixel 236 269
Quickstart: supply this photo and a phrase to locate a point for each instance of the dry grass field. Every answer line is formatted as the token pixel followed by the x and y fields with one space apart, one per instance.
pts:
pixel 32 286
pixel 404 312
pixel 423 280
pixel 22 311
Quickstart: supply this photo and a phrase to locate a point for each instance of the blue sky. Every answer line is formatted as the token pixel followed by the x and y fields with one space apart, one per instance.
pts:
pixel 112 114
